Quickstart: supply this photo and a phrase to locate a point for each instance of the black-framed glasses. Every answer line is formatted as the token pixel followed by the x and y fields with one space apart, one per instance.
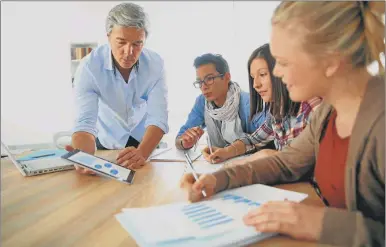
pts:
pixel 207 80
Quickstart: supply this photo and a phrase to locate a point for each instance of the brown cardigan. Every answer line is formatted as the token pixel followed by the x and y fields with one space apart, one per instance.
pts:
pixel 363 223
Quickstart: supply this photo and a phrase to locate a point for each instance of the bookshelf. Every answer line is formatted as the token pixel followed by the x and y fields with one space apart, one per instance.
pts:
pixel 79 51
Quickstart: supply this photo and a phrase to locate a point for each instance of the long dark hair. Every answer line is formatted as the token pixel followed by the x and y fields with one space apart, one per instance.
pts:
pixel 281 104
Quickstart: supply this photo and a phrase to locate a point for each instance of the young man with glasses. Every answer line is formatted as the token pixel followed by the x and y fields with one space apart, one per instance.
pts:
pixel 223 108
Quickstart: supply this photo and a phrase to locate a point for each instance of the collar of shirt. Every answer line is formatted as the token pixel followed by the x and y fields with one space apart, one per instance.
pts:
pixel 109 64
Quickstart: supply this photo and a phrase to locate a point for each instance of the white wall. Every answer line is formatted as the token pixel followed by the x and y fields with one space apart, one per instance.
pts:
pixel 35 54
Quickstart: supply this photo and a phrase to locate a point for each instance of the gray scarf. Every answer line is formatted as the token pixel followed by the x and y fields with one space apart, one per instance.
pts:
pixel 228 114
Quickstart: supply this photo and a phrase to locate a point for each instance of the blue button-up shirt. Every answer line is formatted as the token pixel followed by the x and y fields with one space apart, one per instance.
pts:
pixel 196 116
pixel 113 110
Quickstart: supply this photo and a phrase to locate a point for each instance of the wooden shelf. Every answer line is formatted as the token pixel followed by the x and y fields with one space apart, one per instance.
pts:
pixel 84 45
pixel 78 52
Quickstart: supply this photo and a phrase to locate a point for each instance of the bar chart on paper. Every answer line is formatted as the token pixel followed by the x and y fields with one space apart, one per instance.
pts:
pixel 203 221
pixel 218 212
pixel 205 216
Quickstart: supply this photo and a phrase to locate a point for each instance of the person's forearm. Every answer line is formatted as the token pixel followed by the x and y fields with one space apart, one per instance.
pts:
pixel 235 149
pixel 83 141
pixel 152 137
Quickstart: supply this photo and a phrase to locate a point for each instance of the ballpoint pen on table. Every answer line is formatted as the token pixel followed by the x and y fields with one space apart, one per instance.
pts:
pixel 43 155
pixel 189 161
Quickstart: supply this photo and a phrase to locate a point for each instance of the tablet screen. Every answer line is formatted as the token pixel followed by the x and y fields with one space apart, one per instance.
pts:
pixel 100 165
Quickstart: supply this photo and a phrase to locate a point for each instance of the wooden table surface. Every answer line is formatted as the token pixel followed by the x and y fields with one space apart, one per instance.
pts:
pixel 69 209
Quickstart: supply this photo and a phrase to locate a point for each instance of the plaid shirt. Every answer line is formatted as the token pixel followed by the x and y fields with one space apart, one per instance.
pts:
pixel 282 132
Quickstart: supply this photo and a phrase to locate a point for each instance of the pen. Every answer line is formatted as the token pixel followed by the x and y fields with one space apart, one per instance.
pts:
pixel 209 145
pixel 189 161
pixel 44 155
pixel 195 144
pixel 195 147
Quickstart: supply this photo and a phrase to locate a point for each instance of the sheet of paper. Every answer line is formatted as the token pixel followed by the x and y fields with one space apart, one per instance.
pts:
pixel 157 152
pixel 207 219
pixel 240 237
pixel 203 166
pixel 173 154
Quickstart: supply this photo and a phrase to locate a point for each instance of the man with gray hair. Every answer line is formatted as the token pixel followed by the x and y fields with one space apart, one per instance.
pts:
pixel 120 92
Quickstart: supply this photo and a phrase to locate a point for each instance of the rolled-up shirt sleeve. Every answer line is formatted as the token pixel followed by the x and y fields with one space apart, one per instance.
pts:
pixel 85 101
pixel 195 117
pixel 157 108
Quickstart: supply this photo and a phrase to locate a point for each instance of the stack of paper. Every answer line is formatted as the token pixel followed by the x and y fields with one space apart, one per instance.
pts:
pixel 214 222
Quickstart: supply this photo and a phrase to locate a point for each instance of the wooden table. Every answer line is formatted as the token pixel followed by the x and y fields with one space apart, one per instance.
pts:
pixel 69 209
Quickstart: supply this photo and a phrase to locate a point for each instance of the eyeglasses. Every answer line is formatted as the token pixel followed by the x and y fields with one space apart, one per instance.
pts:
pixel 207 80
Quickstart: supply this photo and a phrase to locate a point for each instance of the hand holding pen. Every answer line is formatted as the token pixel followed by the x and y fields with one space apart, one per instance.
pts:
pixel 209 146
pixel 217 155
pixel 191 137
pixel 196 144
pixel 190 164
pixel 214 154
pixel 198 187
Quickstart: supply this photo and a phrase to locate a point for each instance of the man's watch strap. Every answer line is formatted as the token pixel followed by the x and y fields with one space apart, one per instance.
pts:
pixel 182 145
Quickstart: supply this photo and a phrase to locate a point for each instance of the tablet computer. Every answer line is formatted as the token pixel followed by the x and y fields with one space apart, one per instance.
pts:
pixel 101 166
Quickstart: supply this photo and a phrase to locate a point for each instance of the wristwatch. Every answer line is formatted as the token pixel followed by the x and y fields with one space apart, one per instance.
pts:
pixel 182 145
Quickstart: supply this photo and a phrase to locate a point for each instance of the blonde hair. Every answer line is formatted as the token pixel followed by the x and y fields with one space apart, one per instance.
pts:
pixel 352 28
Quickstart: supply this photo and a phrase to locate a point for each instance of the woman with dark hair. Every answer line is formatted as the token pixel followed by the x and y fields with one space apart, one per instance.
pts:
pixel 285 119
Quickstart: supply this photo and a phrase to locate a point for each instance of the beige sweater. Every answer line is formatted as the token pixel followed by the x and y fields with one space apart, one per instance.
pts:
pixel 363 223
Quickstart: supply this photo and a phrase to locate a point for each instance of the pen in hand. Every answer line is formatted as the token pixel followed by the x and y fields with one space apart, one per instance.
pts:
pixel 196 144
pixel 209 145
pixel 189 161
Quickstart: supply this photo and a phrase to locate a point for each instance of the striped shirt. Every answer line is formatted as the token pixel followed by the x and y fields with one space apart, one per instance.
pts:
pixel 282 132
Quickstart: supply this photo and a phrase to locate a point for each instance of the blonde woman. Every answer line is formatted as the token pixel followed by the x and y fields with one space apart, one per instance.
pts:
pixel 322 49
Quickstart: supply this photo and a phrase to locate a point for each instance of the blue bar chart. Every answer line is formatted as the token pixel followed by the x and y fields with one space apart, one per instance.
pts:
pixel 240 199
pixel 205 216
